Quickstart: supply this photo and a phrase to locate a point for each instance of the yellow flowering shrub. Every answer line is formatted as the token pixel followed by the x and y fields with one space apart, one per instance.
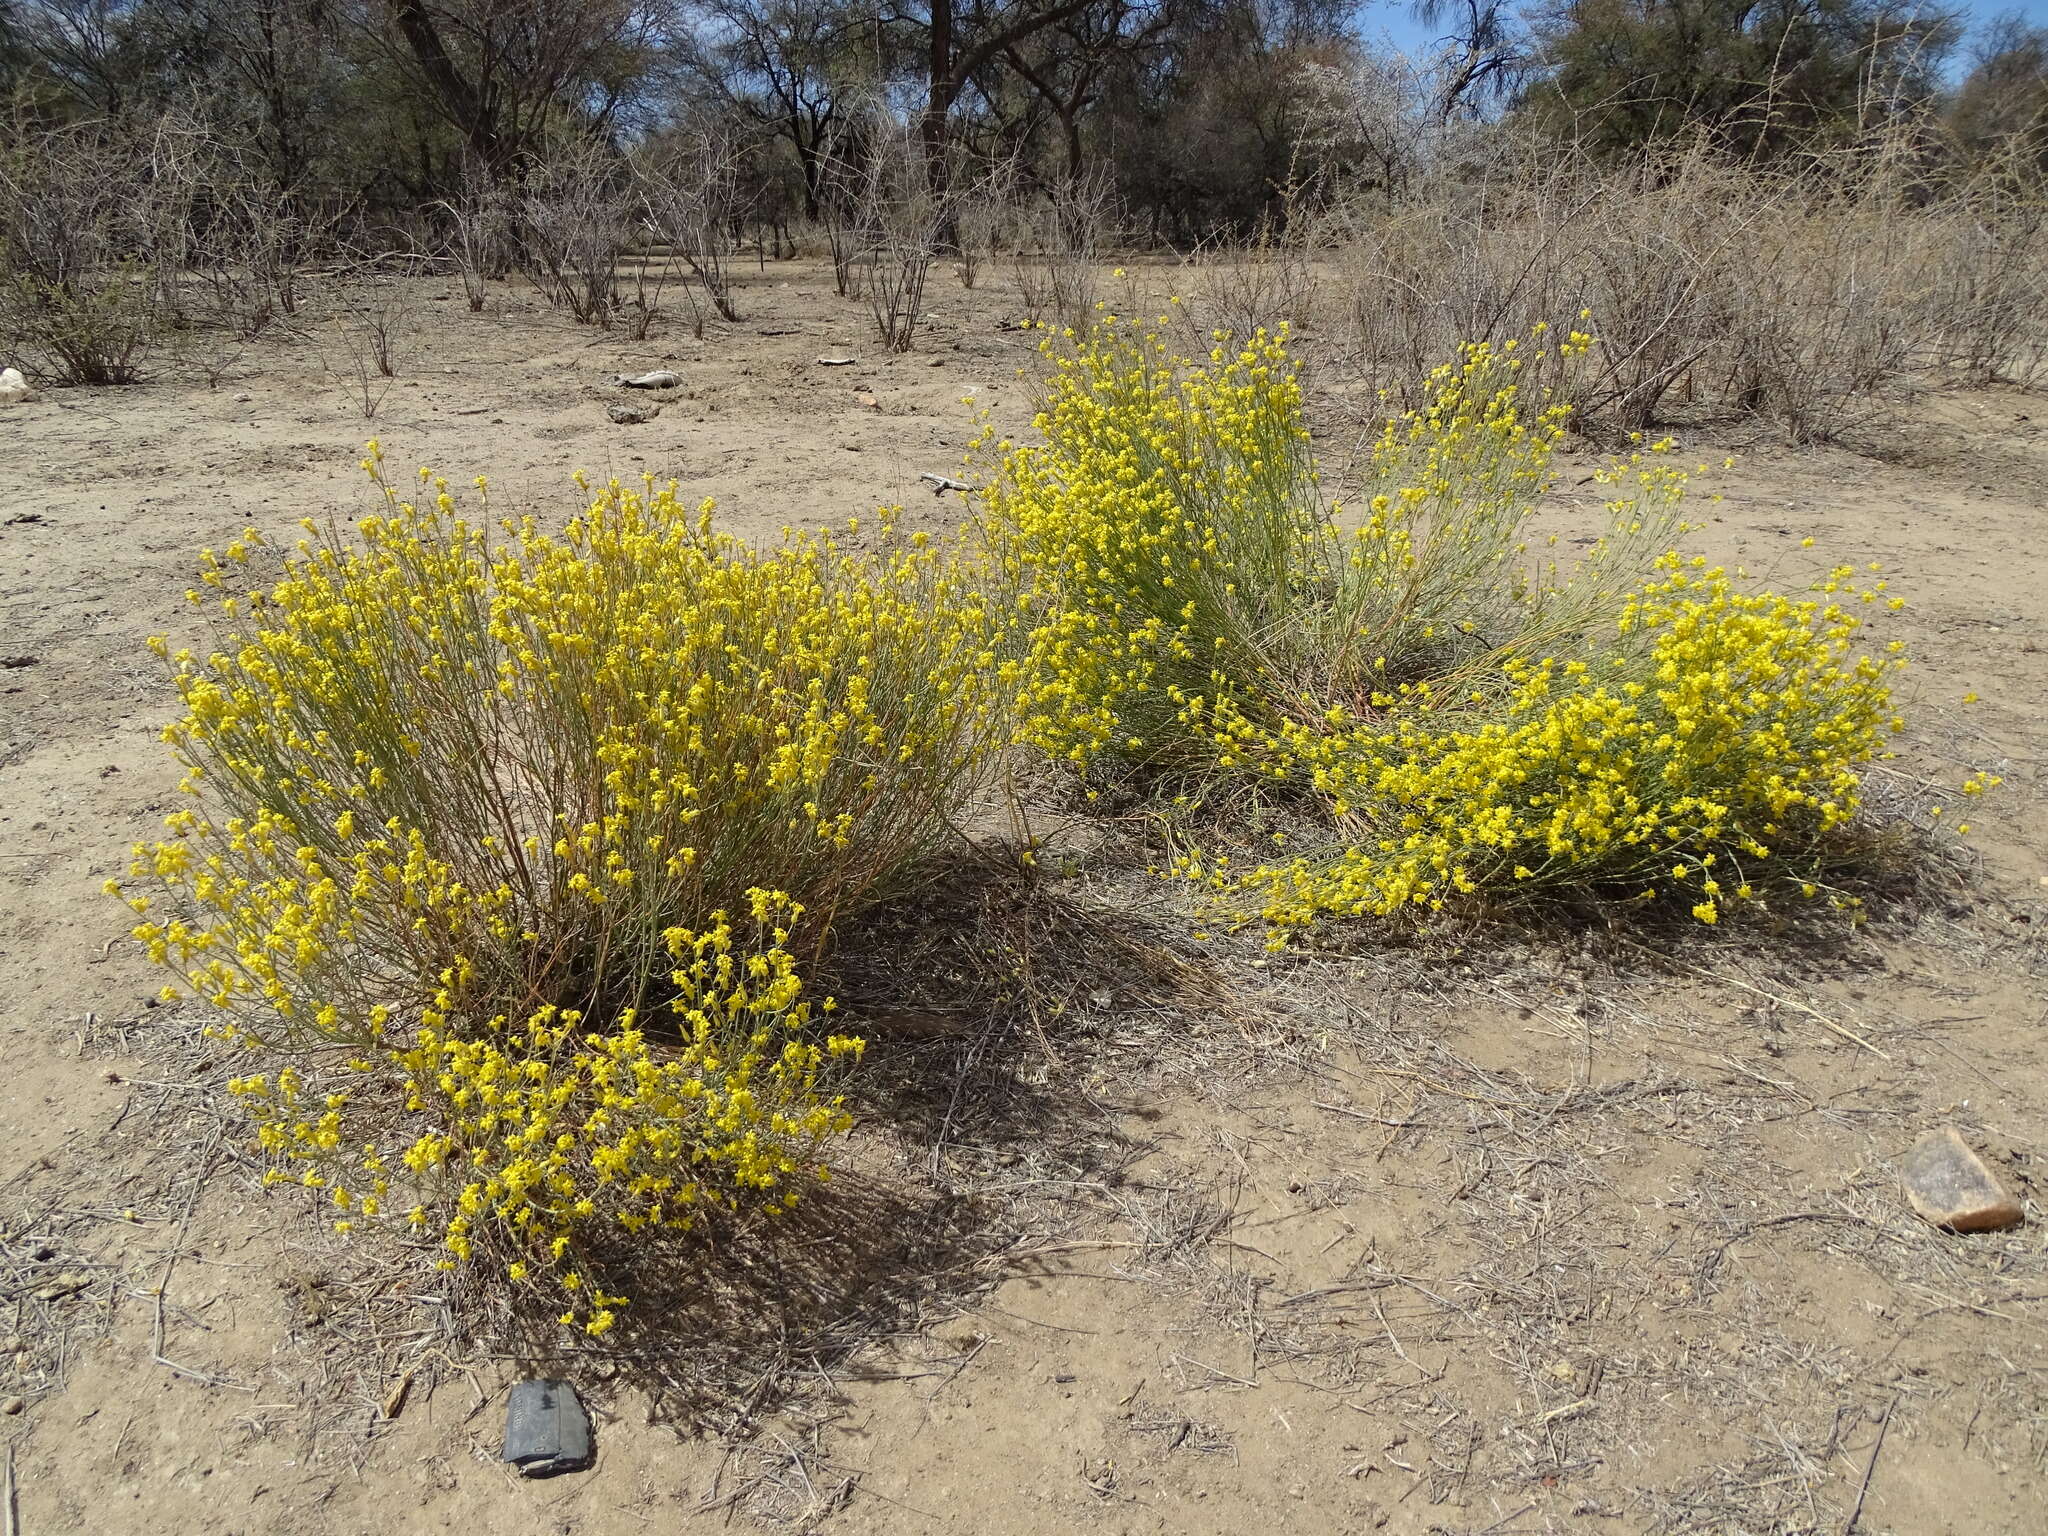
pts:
pixel 1705 753
pixel 517 1138
pixel 471 811
pixel 1154 539
pixel 1176 564
pixel 1464 715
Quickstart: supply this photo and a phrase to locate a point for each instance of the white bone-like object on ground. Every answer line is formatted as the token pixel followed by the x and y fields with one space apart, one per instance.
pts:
pixel 944 483
pixel 835 362
pixel 659 378
pixel 13 387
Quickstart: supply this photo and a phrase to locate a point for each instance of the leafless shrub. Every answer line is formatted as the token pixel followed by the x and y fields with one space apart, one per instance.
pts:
pixel 575 222
pixel 981 209
pixel 689 196
pixel 376 308
pixel 1804 292
pixel 846 235
pixel 361 365
pixel 1821 315
pixel 92 225
pixel 386 308
pixel 808 239
pixel 1267 282
pixel 1990 271
pixel 479 223
pixel 892 221
pixel 251 244
pixel 1056 262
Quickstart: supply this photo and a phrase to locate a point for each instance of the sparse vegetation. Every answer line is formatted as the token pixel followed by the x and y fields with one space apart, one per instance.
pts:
pixel 713 963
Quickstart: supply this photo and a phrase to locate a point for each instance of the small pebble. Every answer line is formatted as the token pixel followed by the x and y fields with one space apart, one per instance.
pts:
pixel 13 1405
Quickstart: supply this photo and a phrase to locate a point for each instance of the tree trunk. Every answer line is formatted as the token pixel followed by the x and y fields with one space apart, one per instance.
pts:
pixel 464 104
pixel 938 106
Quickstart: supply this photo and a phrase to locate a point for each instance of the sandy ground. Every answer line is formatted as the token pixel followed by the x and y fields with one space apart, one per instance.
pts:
pixel 1530 1238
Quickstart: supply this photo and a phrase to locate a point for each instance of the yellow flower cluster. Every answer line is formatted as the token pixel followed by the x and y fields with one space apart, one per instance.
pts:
pixel 519 1136
pixel 1173 560
pixel 1153 538
pixel 1702 754
pixel 461 791
pixel 1467 716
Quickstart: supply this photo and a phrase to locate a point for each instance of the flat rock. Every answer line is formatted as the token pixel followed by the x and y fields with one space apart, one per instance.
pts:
pixel 1950 1185
pixel 546 1429
pixel 632 415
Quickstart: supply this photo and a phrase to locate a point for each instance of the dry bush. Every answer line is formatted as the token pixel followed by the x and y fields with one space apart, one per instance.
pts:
pixel 575 221
pixel 250 243
pixel 251 254
pixel 1822 313
pixel 981 210
pixel 1990 268
pixel 689 197
pixel 1059 251
pixel 842 225
pixel 376 308
pixel 93 224
pixel 809 239
pixel 117 236
pixel 889 225
pixel 1263 284
pixel 479 223
pixel 1542 238
pixel 1800 292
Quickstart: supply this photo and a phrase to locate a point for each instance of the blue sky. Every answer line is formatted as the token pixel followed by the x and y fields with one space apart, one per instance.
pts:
pixel 1397 21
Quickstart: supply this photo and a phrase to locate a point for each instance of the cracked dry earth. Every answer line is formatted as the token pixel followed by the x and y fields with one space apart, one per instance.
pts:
pixel 1528 1237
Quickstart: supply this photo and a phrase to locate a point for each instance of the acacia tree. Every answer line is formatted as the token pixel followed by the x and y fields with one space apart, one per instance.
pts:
pixel 1070 63
pixel 13 56
pixel 1486 55
pixel 279 75
pixel 2004 97
pixel 1205 128
pixel 106 56
pixel 956 43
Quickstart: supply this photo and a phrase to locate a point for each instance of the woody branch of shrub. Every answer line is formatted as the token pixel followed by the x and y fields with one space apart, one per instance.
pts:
pixel 505 850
